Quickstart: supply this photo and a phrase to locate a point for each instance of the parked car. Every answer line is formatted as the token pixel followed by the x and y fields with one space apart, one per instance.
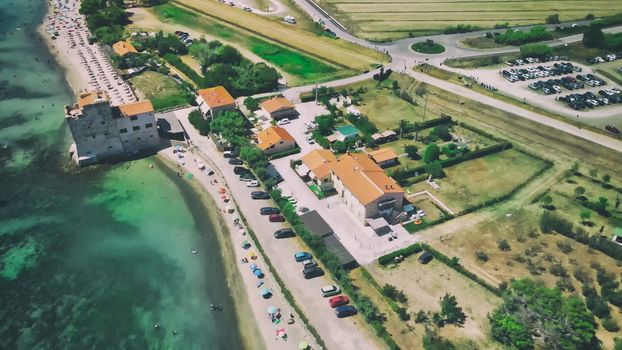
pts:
pixel 260 195
pixel 235 161
pixel 276 218
pixel 284 233
pixel 309 263
pixel 345 311
pixel 312 272
pixel 283 121
pixel 239 170
pixel 229 154
pixel 269 210
pixel 338 300
pixel 302 256
pixel 247 177
pixel 330 290
pixel 425 258
pixel 253 183
pixel 612 129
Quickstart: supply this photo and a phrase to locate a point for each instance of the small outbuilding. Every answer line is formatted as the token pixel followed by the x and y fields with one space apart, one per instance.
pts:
pixel 170 127
pixel 278 108
pixel 384 157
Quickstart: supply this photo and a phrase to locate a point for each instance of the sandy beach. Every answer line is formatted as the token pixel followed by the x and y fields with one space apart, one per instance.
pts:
pixel 272 330
pixel 86 65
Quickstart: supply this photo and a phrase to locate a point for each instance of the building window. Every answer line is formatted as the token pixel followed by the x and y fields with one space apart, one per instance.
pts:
pixel 133 118
pixel 123 131
pixel 136 128
pixel 149 125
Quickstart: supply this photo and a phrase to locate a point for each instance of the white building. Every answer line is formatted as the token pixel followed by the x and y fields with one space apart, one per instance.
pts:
pixel 101 131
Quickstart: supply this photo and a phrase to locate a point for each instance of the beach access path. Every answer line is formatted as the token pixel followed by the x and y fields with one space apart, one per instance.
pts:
pixel 295 332
pixel 344 334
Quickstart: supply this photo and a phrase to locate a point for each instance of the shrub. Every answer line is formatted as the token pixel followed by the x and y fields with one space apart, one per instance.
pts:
pixel 451 312
pixel 558 270
pixel 503 245
pixel 411 151
pixel 610 325
pixel 535 50
pixel 196 119
pixel 481 256
pixel 431 153
pixel 552 19
pixel 421 317
pixel 433 341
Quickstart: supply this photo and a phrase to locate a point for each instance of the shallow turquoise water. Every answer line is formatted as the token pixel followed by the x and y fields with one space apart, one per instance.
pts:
pixel 93 258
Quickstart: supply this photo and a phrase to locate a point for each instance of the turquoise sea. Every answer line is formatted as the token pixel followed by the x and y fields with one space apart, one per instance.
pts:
pixel 94 258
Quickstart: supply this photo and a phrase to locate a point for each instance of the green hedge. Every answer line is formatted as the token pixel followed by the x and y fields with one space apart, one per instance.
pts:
pixel 455 264
pixel 283 154
pixel 406 252
pixel 176 62
pixel 410 127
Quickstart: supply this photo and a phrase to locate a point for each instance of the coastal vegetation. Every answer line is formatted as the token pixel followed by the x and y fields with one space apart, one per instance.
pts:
pixel 105 19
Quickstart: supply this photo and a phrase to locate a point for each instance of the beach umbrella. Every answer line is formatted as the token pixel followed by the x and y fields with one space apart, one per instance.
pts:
pixel 253 267
pixel 303 345
pixel 272 310
pixel 258 273
pixel 265 293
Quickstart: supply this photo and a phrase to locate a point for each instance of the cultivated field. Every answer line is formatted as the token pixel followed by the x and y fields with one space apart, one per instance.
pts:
pixel 163 91
pixel 478 180
pixel 390 19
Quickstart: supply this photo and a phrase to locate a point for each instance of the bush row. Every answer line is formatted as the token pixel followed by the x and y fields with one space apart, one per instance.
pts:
pixel 283 154
pixel 454 263
pixel 394 306
pixel 365 306
pixel 410 127
pixel 405 252
pixel 176 62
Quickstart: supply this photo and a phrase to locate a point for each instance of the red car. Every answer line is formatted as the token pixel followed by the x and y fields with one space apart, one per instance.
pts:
pixel 276 218
pixel 338 300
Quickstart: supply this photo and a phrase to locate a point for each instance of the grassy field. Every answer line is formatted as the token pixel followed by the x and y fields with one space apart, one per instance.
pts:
pixel 424 285
pixel 531 253
pixel 390 19
pixel 609 70
pixel 163 91
pixel 299 68
pixel 480 42
pixel 475 181
pixel 338 52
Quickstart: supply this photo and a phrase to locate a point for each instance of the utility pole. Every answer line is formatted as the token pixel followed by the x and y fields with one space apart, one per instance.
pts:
pixel 316 93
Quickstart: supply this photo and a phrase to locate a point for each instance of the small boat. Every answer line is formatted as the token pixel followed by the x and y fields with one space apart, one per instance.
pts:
pixel 194 251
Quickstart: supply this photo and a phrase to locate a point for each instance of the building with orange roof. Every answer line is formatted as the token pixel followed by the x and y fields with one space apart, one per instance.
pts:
pixel 278 108
pixel 215 100
pixel 101 131
pixel 363 187
pixel 384 157
pixel 275 139
pixel 123 48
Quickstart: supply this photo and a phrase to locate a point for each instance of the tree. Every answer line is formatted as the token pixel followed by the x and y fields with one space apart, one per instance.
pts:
pixel 610 325
pixel 200 123
pixel 546 201
pixel 251 103
pixel 481 256
pixel 503 245
pixel 606 178
pixel 442 131
pixel 435 169
pixel 421 317
pixel 601 205
pixel 593 173
pixel 593 37
pixel 618 344
pixel 451 312
pixel 431 153
pixel 325 124
pixel 579 191
pixel 229 125
pixel 411 151
pixel 403 124
pixel 531 308
pixel 552 19
pixel 433 341
pixel 585 215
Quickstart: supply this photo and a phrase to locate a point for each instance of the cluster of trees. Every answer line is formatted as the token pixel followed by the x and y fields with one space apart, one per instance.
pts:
pixel 165 43
pixel 530 309
pixel 196 119
pixel 224 65
pixel 519 37
pixel 433 165
pixel 363 123
pixel 105 19
pixel 594 37
pixel 461 28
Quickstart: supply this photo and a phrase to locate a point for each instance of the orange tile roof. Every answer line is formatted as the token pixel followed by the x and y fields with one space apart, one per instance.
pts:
pixel 319 161
pixel 364 178
pixel 276 104
pixel 383 154
pixel 92 97
pixel 123 47
pixel 216 97
pixel 135 108
pixel 272 136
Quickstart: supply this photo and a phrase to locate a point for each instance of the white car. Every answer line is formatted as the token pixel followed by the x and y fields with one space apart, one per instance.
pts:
pixel 253 183
pixel 283 121
pixel 420 213
pixel 310 140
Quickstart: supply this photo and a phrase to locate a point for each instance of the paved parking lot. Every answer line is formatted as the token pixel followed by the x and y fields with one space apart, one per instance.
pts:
pixel 520 90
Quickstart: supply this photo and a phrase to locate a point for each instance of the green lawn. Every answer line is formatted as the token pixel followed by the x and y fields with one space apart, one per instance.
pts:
pixel 431 49
pixel 163 91
pixel 385 110
pixel 302 68
pixel 475 181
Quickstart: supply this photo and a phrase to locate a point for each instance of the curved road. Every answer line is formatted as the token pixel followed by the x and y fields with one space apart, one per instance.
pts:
pixel 404 59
